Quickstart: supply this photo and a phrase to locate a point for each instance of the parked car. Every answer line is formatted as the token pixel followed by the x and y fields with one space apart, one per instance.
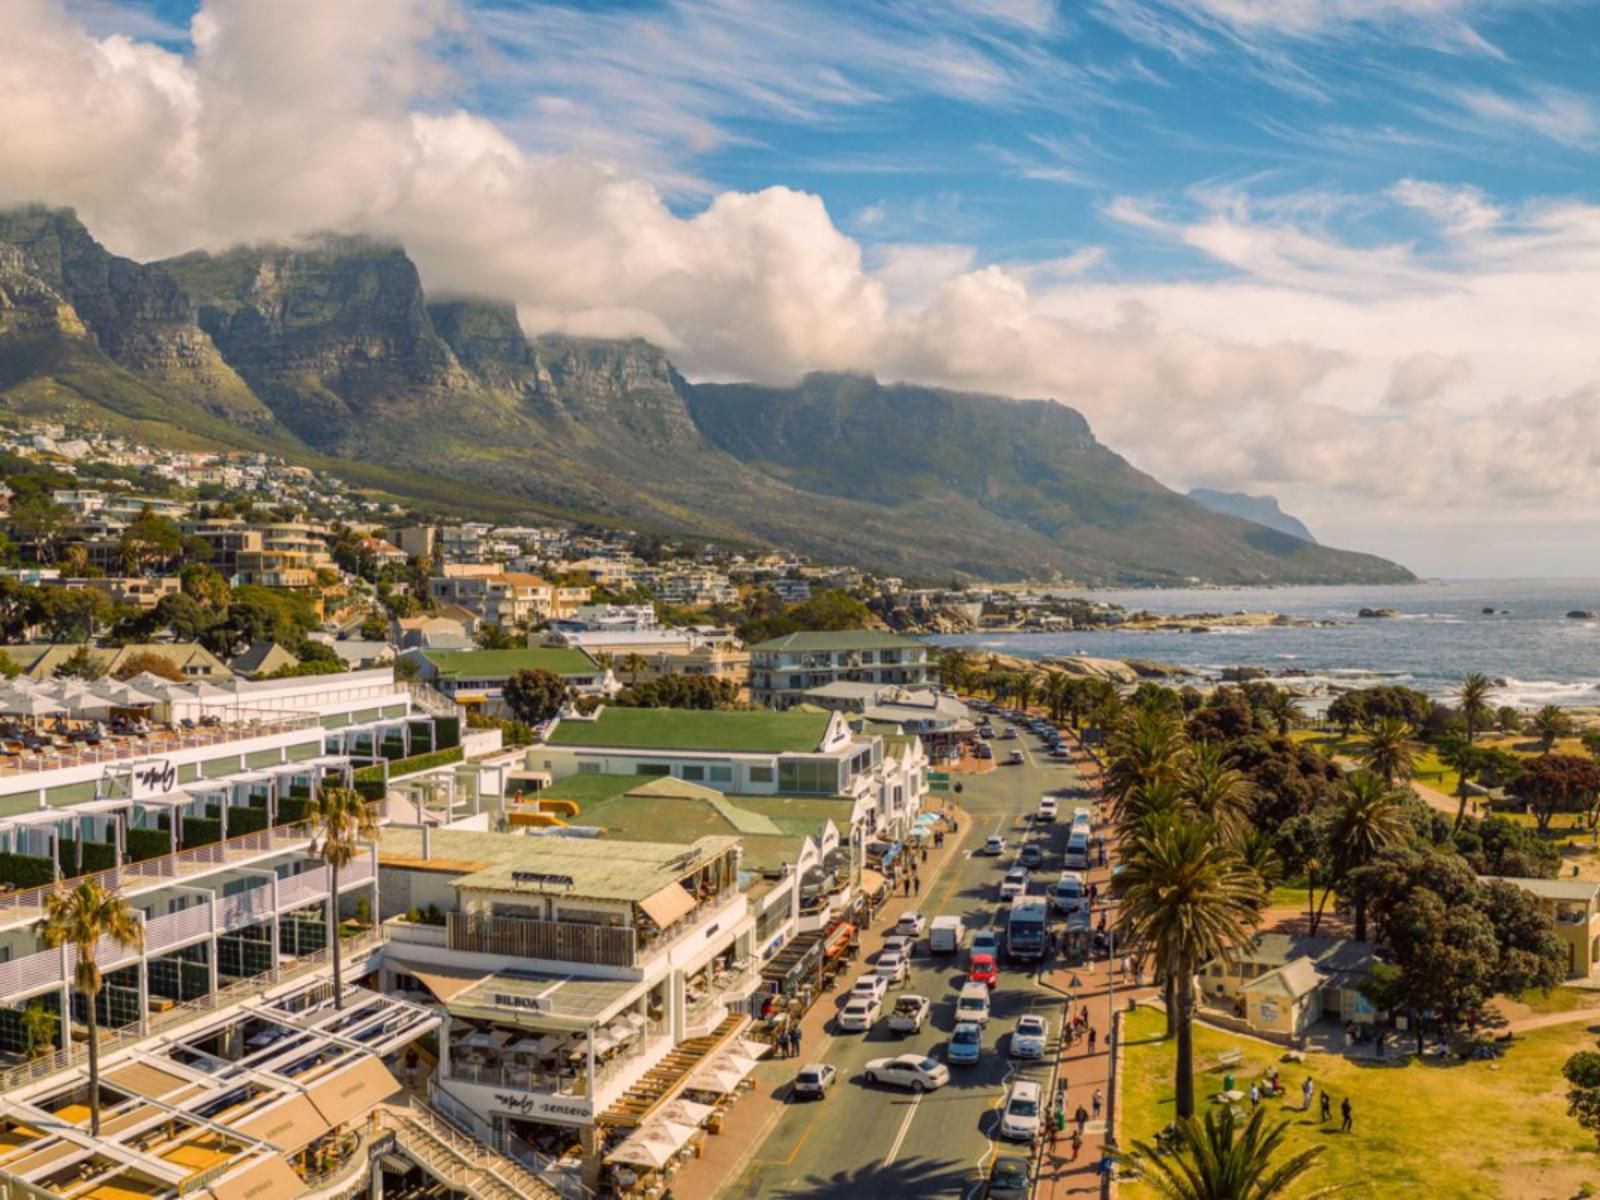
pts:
pixel 985 969
pixel 893 966
pixel 984 941
pixel 1008 1179
pixel 1014 884
pixel 860 1014
pixel 984 750
pixel 910 1014
pixel 994 844
pixel 813 1082
pixel 915 1071
pixel 870 985
pixel 911 924
pixel 900 942
pixel 1059 750
pixel 965 1046
pixel 1032 855
pixel 1015 758
pixel 1021 1118
pixel 945 935
pixel 1010 733
pixel 1069 893
pixel 1029 1038
pixel 1048 808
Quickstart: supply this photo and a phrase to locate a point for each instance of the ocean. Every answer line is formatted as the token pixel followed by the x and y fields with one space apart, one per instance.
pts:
pixel 1540 655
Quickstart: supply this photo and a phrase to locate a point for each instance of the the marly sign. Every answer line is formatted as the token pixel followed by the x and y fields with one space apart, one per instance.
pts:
pixel 154 778
pixel 526 1104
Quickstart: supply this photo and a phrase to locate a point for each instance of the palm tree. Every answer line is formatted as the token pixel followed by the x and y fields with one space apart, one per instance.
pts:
pixel 340 820
pixel 1551 723
pixel 79 918
pixel 1147 749
pixel 1215 1161
pixel 1217 792
pixel 956 669
pixel 1460 756
pixel 1188 897
pixel 1474 697
pixel 1388 750
pixel 1023 685
pixel 1369 817
pixel 634 664
pixel 1281 706
pixel 1053 691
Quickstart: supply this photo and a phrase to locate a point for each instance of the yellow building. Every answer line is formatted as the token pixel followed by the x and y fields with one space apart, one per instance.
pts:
pixel 1282 984
pixel 1574 909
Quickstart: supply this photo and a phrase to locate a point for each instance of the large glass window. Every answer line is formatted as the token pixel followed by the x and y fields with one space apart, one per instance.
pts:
pixel 760 774
pixel 694 772
pixel 808 775
pixel 652 769
pixel 722 774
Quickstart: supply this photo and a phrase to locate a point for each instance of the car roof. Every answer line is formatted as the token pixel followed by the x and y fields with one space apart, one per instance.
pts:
pixel 1025 1017
pixel 973 988
pixel 1024 1089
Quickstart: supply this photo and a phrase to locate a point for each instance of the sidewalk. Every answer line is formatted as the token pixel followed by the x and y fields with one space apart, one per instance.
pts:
pixel 752 1117
pixel 1081 1072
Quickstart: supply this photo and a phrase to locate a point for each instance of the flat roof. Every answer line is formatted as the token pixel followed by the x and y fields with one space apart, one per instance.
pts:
pixel 766 844
pixel 585 789
pixel 842 639
pixel 1550 889
pixel 543 997
pixel 599 869
pixel 497 664
pixel 755 732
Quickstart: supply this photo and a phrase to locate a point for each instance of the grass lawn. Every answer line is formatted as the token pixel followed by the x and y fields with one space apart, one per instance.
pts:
pixel 1561 999
pixel 1479 1129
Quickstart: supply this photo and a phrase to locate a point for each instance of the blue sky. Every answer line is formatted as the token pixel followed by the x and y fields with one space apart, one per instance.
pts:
pixel 1343 251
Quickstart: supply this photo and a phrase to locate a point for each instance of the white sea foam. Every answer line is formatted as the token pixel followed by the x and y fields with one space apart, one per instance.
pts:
pixel 1535 693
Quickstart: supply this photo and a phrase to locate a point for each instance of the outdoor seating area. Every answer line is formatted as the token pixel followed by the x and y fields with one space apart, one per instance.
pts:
pixel 548 1062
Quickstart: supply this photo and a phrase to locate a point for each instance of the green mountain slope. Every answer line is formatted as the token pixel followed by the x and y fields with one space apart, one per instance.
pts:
pixel 330 353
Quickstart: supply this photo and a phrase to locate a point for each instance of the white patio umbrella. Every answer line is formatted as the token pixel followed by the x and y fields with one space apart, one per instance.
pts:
pixel 29 704
pixel 639 1151
pixel 685 1112
pixel 745 1048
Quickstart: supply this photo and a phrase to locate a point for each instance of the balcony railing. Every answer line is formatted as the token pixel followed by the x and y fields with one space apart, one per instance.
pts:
pixel 558 941
pixel 134 749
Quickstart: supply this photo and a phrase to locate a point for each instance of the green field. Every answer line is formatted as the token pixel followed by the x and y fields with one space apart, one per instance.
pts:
pixel 1434 1131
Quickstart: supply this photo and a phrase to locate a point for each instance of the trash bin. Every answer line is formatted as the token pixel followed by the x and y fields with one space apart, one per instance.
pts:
pixel 1227 1083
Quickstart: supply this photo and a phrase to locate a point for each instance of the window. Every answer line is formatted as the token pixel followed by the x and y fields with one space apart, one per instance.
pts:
pixel 722 775
pixel 760 774
pixel 808 775
pixel 586 768
pixel 694 772
pixel 652 769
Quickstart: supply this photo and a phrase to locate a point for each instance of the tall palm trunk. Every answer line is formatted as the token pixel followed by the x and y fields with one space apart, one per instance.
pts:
pixel 94 1067
pixel 333 936
pixel 1185 998
pixel 1169 994
pixel 1361 920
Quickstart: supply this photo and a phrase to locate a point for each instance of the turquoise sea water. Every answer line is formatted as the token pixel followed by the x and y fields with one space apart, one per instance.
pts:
pixel 1542 656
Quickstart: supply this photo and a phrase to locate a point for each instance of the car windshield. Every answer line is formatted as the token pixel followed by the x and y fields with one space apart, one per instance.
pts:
pixel 928 1064
pixel 966 1036
pixel 970 1002
pixel 810 1076
pixel 1012 1174
pixel 856 1006
pixel 1024 1108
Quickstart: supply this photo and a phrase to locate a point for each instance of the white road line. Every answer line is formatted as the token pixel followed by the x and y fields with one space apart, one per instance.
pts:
pixel 905 1127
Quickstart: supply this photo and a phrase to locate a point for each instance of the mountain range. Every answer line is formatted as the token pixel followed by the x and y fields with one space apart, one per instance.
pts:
pixel 1263 510
pixel 329 352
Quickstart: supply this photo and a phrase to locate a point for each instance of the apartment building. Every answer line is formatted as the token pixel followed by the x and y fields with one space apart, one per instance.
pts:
pixel 506 598
pixel 583 981
pixel 1574 909
pixel 643 655
pixel 476 678
pixel 285 554
pixel 139 591
pixel 784 669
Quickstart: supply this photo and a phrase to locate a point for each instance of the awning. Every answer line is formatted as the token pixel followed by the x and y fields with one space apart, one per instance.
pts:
pixel 352 1093
pixel 872 882
pixel 668 905
pixel 444 982
pixel 144 1080
pixel 267 1180
pixel 288 1126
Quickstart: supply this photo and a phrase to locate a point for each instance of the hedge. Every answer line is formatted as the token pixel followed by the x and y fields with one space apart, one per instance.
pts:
pixel 292 809
pixel 447 732
pixel 246 820
pixel 26 870
pixel 97 856
pixel 148 843
pixel 416 764
pixel 201 831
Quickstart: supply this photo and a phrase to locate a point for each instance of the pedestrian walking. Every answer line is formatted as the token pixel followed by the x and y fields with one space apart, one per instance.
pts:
pixel 1327 1105
pixel 1091 1039
pixel 1255 1095
pixel 1077 1144
pixel 1081 1117
pixel 1349 1115
pixel 796 1037
pixel 1072 1034
pixel 1055 1138
pixel 1307 1090
pixel 1099 1102
pixel 1122 967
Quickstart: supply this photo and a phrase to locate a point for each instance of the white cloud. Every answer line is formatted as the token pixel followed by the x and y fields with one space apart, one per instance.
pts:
pixel 1556 113
pixel 1420 377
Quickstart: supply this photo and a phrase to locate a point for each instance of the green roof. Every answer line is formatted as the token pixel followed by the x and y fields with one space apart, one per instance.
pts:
pixel 766 843
pixel 585 789
pixel 500 664
pixel 840 639
pixel 758 732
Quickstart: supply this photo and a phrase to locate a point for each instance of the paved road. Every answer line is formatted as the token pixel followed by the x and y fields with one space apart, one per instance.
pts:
pixel 865 1141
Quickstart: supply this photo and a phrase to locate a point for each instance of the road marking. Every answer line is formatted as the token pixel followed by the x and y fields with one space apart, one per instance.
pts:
pixel 905 1127
pixel 795 1153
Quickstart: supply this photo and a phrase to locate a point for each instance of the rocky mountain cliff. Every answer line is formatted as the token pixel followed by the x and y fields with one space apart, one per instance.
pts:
pixel 330 350
pixel 1263 510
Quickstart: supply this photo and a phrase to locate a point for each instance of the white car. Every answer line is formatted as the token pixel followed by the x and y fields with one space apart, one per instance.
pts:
pixel 813 1081
pixel 900 942
pixel 892 966
pixel 1047 808
pixel 1023 1116
pixel 1029 1038
pixel 995 845
pixel 915 1071
pixel 1014 884
pixel 870 986
pixel 911 924
pixel 860 1014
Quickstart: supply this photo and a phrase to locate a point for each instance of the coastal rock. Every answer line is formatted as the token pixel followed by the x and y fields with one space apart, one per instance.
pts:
pixel 1378 613
pixel 1244 674
pixel 1583 614
pixel 1488 610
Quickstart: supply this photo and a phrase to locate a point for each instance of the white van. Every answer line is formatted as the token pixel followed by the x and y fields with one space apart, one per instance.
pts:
pixel 1047 808
pixel 1077 856
pixel 946 934
pixel 1081 817
pixel 973 1003
pixel 1023 1116
pixel 1069 893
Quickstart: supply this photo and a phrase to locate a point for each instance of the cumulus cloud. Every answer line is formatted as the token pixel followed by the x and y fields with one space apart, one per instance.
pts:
pixel 1345 374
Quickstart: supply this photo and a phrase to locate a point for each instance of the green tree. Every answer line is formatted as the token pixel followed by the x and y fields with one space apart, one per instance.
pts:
pixel 341 819
pixel 1215 1160
pixel 39 1026
pixel 635 665
pixel 1474 697
pixel 1187 896
pixel 1550 724
pixel 497 637
pixel 1281 706
pixel 1148 749
pixel 1387 752
pixel 149 541
pixel 21 607
pixel 1216 792
pixel 1053 690
pixel 1508 719
pixel 1461 756
pixel 1553 783
pixel 535 696
pixel 80 664
pixel 1582 1073
pixel 148 661
pixel 76 614
pixel 1369 818
pixel 206 587
pixel 80 918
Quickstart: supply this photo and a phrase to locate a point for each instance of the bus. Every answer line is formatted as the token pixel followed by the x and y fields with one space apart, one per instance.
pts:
pixel 1025 927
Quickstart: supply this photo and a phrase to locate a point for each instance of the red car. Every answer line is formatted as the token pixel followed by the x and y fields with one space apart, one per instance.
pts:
pixel 984 969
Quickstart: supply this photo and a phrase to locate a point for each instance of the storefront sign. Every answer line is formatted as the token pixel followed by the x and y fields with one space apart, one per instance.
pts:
pixel 1269 1013
pixel 525 1104
pixel 508 1000
pixel 154 779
